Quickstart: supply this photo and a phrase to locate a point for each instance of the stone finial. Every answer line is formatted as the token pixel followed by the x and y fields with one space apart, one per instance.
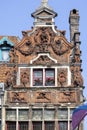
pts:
pixel 44 2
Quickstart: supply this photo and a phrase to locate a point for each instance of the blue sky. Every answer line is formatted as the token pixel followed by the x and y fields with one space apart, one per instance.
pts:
pixel 15 16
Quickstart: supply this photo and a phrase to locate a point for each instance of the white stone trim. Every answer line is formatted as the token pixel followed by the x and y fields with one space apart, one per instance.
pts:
pixel 43 54
pixel 44 67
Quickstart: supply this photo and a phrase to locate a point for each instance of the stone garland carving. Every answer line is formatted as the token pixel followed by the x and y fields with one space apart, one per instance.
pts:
pixel 62 77
pixel 27 49
pixel 45 60
pixel 58 47
pixel 11 77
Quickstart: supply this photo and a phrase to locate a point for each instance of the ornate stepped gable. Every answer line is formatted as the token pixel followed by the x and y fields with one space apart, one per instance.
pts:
pixel 43 48
pixel 43 71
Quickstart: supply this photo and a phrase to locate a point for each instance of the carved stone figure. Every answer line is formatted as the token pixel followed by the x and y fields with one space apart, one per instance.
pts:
pixel 43 35
pixel 66 97
pixel 41 48
pixel 43 97
pixel 11 77
pixel 17 97
pixel 78 80
pixel 24 78
pixel 62 78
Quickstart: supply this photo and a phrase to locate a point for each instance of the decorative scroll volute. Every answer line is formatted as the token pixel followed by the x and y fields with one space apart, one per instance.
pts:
pixel 60 46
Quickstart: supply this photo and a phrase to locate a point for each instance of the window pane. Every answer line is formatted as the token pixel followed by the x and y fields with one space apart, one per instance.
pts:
pixel 0 125
pixel 10 114
pixel 50 77
pixel 49 114
pixel 38 77
pixel 5 55
pixel 37 125
pixel 71 111
pixel 0 113
pixel 62 114
pixel 23 125
pixel 37 114
pixel 63 125
pixel 23 114
pixel 11 125
pixel 49 125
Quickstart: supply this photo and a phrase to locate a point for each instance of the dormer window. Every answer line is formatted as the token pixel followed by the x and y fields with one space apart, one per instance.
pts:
pixel 4 50
pixel 5 54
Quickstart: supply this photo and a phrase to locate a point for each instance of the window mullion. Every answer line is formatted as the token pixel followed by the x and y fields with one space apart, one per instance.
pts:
pixel 44 77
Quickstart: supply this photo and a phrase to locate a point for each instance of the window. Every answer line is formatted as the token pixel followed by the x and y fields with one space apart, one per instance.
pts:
pixel 49 126
pixel 5 54
pixel 44 77
pixel 49 114
pixel 37 125
pixel 71 111
pixel 0 125
pixel 23 126
pixel 36 114
pixel 38 77
pixel 10 114
pixel 4 51
pixel 11 125
pixel 50 77
pixel 23 114
pixel 62 113
pixel 0 113
pixel 63 125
